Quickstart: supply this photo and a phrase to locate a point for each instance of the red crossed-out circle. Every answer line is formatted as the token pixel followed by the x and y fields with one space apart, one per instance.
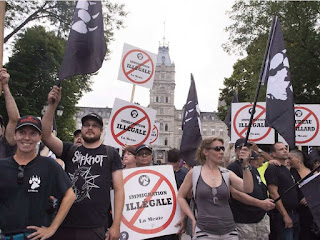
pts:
pixel 310 113
pixel 116 136
pixel 130 223
pixel 141 64
pixel 157 134
pixel 254 120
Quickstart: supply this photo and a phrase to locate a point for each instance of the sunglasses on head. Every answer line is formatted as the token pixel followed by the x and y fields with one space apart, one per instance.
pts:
pixel 20 175
pixel 217 148
pixel 244 145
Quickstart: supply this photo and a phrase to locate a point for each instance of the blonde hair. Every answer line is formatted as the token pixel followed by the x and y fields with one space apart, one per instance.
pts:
pixel 206 143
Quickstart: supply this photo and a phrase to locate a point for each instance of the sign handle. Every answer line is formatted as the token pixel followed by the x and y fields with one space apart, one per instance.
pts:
pixel 132 93
pixel 2 14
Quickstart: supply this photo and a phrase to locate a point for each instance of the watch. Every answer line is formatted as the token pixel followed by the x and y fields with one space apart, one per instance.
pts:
pixel 247 167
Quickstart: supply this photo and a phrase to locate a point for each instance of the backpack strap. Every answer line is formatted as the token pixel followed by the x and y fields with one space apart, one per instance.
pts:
pixel 225 175
pixel 195 177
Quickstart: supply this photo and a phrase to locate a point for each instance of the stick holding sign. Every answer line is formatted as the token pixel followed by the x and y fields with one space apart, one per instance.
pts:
pixel 132 93
pixel 2 15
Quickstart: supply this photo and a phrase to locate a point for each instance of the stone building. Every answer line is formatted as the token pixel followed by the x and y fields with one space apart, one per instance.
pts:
pixel 168 117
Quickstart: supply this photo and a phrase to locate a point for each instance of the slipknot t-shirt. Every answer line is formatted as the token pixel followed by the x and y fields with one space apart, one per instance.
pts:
pixel 90 171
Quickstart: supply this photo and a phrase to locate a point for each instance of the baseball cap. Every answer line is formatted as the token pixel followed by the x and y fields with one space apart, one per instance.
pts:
pixel 143 146
pixel 254 155
pixel 240 142
pixel 93 116
pixel 76 132
pixel 29 121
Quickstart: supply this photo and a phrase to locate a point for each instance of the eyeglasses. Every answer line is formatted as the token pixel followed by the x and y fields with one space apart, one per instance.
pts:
pixel 87 125
pixel 20 174
pixel 214 193
pixel 141 153
pixel 217 148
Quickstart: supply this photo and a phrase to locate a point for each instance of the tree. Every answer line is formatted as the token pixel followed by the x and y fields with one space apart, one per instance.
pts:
pixel 57 14
pixel 33 66
pixel 249 34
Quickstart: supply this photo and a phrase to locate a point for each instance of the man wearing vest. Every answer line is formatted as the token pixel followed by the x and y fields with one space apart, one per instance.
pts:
pixel 92 168
pixel 249 210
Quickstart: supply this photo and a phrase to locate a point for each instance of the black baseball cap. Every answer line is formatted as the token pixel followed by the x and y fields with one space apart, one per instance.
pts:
pixel 92 116
pixel 143 146
pixel 254 155
pixel 76 132
pixel 29 121
pixel 242 141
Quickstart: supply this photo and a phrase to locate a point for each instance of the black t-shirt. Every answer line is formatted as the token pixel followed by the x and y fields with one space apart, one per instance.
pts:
pixel 6 150
pixel 180 175
pixel 26 204
pixel 281 177
pixel 90 171
pixel 243 213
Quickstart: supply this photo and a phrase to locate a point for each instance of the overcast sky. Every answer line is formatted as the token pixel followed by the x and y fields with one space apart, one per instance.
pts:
pixel 195 32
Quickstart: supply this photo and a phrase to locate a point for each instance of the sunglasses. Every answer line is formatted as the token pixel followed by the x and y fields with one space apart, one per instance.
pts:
pixel 20 174
pixel 217 148
pixel 141 153
pixel 214 193
pixel 249 144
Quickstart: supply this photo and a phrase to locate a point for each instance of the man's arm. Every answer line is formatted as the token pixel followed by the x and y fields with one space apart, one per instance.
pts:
pixel 266 204
pixel 11 106
pixel 49 139
pixel 117 180
pixel 273 191
pixel 47 232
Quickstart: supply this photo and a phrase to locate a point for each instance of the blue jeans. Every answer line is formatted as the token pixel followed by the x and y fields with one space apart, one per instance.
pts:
pixel 278 230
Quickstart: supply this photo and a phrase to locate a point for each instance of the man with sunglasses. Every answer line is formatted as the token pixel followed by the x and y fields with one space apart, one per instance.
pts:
pixel 250 210
pixel 93 168
pixel 27 180
pixel 7 143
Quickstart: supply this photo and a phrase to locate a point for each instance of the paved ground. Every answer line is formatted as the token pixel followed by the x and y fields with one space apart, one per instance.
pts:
pixel 185 237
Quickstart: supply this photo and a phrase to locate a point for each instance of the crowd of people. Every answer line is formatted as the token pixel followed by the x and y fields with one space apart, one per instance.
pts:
pixel 64 192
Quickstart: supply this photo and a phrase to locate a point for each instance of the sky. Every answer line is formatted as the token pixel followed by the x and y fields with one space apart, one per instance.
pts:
pixel 195 31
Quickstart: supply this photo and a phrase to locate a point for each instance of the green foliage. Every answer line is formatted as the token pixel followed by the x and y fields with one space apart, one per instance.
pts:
pixel 58 14
pixel 34 66
pixel 248 36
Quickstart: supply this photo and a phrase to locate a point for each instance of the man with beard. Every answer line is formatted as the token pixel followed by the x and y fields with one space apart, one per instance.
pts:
pixel 92 168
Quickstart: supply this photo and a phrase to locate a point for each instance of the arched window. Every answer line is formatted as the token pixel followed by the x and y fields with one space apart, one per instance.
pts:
pixel 166 127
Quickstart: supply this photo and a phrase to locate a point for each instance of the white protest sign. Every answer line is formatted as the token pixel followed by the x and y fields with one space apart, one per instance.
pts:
pixel 154 137
pixel 137 66
pixel 306 124
pixel 241 113
pixel 129 124
pixel 150 207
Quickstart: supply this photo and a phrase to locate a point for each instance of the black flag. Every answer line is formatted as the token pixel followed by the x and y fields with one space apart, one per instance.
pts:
pixel 86 46
pixel 279 99
pixel 310 189
pixel 227 119
pixel 191 136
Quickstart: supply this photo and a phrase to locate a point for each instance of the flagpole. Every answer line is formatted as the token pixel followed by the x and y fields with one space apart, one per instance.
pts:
pixel 297 183
pixel 266 53
pixel 2 15
pixel 132 93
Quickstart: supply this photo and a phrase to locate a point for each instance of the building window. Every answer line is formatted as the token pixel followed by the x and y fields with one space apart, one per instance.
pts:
pixel 167 99
pixel 204 117
pixel 204 131
pixel 162 99
pixel 166 142
pixel 157 99
pixel 163 59
pixel 163 76
pixel 221 132
pixel 166 127
pixel 160 140
pixel 180 116
pixel 161 126
pixel 161 110
pixel 213 132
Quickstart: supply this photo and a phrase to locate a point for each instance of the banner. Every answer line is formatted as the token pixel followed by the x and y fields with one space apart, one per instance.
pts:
pixel 129 124
pixel 150 207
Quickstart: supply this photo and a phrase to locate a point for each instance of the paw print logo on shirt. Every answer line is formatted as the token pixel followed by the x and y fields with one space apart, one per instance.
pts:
pixel 34 181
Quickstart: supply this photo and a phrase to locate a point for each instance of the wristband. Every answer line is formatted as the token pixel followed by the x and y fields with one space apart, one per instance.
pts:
pixel 247 167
